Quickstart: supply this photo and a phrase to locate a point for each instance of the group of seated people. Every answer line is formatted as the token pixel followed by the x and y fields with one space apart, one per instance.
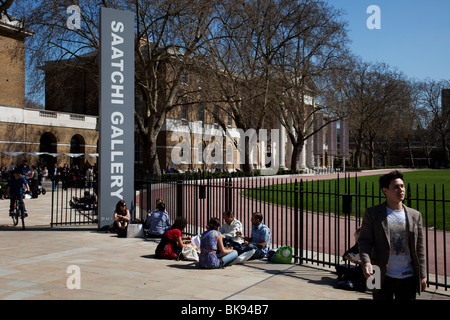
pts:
pixel 220 244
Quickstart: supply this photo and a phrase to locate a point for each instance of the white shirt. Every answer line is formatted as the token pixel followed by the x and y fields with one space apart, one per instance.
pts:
pixel 399 264
pixel 229 230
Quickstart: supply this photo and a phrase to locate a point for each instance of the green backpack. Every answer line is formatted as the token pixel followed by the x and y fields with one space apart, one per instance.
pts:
pixel 283 255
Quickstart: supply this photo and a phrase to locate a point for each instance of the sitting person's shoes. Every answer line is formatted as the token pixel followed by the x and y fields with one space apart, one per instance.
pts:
pixel 180 256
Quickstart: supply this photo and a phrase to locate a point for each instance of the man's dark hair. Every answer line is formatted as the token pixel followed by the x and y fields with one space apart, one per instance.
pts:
pixel 386 179
pixel 258 216
pixel 228 213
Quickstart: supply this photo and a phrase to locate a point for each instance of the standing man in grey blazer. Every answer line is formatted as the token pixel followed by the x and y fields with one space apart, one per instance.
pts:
pixel 392 238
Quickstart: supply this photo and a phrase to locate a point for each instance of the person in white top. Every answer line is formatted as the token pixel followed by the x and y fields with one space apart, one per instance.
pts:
pixel 391 237
pixel 230 230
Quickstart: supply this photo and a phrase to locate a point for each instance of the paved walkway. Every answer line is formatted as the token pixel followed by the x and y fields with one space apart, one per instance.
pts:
pixel 41 263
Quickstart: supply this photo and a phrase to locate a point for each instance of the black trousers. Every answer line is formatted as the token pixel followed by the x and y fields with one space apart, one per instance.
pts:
pixel 34 188
pixel 398 289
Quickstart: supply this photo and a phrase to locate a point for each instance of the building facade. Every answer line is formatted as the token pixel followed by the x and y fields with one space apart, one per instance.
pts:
pixel 195 136
pixel 42 137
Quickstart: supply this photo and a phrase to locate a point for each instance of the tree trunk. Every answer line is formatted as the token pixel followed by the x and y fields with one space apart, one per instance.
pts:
pixel 150 155
pixel 411 156
pixel 357 156
pixel 296 151
pixel 371 154
pixel 247 166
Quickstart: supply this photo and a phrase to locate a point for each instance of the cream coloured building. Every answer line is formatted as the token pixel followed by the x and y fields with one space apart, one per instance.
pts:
pixel 42 137
pixel 62 133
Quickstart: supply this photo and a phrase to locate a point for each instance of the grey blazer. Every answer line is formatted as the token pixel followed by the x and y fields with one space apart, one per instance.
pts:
pixel 374 240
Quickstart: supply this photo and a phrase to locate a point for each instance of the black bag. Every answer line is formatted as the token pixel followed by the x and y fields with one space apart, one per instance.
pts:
pixel 350 278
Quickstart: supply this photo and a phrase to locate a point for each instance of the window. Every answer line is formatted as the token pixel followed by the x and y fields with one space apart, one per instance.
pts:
pixel 184 113
pixel 201 113
pixel 229 154
pixel 184 78
pixel 200 153
pixel 184 152
pixel 138 153
pixel 213 154
pixel 216 114
pixel 184 109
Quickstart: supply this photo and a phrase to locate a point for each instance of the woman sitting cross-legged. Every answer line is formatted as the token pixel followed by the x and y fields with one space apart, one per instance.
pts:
pixel 212 251
pixel 172 243
pixel 121 219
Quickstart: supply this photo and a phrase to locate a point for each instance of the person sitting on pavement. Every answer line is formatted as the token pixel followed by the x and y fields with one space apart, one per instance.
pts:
pixel 158 220
pixel 229 230
pixel 259 240
pixel 14 189
pixel 351 277
pixel 213 253
pixel 352 254
pixel 121 219
pixel 172 242
pixel 149 213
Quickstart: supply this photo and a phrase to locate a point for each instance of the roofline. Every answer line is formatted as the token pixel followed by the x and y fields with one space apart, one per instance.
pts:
pixel 13 26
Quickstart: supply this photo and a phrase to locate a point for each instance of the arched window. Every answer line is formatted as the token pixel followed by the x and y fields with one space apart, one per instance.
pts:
pixel 47 144
pixel 77 147
pixel 229 154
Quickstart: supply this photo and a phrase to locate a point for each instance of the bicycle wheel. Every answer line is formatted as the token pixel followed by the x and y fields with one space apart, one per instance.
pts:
pixel 15 214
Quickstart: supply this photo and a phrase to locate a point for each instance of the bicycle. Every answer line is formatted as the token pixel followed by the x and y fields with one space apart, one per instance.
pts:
pixel 18 212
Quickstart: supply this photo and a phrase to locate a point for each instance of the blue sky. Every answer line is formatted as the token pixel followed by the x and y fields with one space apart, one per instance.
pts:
pixel 414 35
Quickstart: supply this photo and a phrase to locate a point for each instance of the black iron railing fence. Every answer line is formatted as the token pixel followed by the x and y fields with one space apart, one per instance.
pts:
pixel 316 218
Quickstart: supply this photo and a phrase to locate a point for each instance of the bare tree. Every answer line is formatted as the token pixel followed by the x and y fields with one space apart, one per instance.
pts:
pixel 168 35
pixel 266 55
pixel 426 136
pixel 303 66
pixel 431 101
pixel 173 35
pixel 404 129
pixel 241 56
pixel 371 93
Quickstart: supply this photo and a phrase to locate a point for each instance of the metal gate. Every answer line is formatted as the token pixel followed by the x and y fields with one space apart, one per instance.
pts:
pixel 73 203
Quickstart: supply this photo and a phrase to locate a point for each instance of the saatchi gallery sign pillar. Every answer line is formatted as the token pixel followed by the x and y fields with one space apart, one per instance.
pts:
pixel 116 167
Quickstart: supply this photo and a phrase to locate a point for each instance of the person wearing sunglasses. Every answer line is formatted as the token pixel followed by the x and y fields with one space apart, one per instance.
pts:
pixel 121 219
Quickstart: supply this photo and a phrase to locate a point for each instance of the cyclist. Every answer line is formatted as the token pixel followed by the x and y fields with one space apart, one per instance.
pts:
pixel 14 190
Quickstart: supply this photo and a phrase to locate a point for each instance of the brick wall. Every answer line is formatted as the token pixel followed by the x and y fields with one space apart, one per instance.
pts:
pixel 12 71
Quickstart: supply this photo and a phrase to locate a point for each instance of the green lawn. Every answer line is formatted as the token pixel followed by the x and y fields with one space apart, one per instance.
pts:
pixel 434 204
